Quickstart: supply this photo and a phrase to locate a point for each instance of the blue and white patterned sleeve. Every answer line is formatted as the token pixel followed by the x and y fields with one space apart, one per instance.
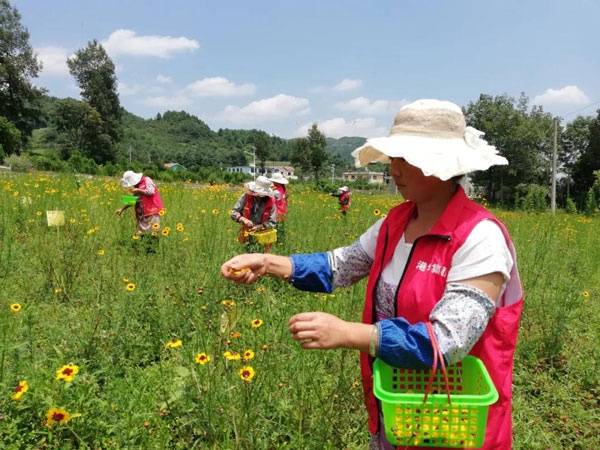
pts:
pixel 460 318
pixel 323 272
pixel 349 264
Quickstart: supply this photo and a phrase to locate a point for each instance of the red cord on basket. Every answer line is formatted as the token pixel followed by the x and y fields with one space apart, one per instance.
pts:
pixel 436 353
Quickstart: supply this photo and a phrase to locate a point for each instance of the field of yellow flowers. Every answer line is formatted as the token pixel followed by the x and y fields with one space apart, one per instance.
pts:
pixel 107 345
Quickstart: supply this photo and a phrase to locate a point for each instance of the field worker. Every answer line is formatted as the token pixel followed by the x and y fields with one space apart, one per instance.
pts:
pixel 149 204
pixel 256 209
pixel 281 197
pixel 343 195
pixel 438 265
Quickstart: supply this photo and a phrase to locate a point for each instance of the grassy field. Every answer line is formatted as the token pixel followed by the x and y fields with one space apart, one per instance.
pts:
pixel 147 332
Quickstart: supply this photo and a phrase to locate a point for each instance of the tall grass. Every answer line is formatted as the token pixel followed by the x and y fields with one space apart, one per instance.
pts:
pixel 134 392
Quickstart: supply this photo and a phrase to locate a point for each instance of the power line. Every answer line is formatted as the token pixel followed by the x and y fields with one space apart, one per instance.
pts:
pixel 582 108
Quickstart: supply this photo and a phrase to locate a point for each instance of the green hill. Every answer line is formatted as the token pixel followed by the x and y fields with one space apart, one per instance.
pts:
pixel 186 139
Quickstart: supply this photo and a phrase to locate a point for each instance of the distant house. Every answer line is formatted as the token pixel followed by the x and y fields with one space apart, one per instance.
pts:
pixel 370 177
pixel 283 167
pixel 173 166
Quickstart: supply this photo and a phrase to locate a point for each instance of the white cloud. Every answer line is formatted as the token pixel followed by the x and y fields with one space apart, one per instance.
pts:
pixel 219 87
pixel 126 89
pixel 347 85
pixel 126 42
pixel 339 127
pixel 163 79
pixel 568 95
pixel 278 107
pixel 54 60
pixel 365 106
pixel 164 102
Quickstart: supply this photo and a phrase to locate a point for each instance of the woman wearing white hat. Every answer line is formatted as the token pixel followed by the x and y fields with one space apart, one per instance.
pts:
pixel 149 204
pixel 256 209
pixel 441 269
pixel 281 198
pixel 343 195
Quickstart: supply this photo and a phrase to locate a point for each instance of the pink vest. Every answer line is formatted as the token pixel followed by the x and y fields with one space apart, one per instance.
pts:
pixel 248 208
pixel 152 203
pixel 422 286
pixel 281 203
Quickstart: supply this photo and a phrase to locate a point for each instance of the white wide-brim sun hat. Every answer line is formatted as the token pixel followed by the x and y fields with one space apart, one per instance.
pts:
pixel 130 179
pixel 432 135
pixel 260 187
pixel 277 177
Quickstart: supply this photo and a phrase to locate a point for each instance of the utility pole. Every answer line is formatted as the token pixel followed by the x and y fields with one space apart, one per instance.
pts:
pixel 554 157
pixel 254 159
pixel 332 173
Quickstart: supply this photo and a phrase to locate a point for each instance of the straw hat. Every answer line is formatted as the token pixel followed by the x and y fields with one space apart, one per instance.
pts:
pixel 432 135
pixel 260 187
pixel 276 177
pixel 130 179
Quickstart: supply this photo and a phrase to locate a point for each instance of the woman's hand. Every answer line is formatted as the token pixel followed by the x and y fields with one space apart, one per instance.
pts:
pixel 245 269
pixel 319 330
pixel 246 222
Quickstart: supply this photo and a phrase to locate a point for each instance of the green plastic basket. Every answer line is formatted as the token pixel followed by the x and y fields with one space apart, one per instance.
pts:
pixel 129 199
pixel 435 423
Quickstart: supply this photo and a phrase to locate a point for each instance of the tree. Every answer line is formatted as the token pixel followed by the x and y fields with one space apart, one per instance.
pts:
pixel 588 162
pixel 19 99
pixel 524 138
pixel 262 146
pixel 316 148
pixel 95 74
pixel 301 155
pixel 10 137
pixel 80 127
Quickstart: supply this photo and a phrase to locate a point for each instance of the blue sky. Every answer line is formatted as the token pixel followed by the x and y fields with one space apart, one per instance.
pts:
pixel 347 65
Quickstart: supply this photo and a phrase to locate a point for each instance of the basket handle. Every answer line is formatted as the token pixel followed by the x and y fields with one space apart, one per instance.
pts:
pixel 437 354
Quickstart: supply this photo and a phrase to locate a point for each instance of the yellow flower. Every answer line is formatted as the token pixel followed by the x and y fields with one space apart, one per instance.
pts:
pixel 376 212
pixel 179 227
pixel 256 323
pixel 135 237
pixel 162 212
pixel 174 343
pixel 248 355
pixel 235 335
pixel 57 290
pixel 15 307
pixel 57 415
pixel 202 358
pixel 155 226
pixel 586 295
pixel 232 356
pixel 246 373
pixel 166 231
pixel 100 252
pixel 130 287
pixel 21 388
pixel 215 211
pixel 67 373
pixel 228 303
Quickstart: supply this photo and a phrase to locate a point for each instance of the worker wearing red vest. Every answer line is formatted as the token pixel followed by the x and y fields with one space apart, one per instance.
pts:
pixel 256 209
pixel 343 195
pixel 149 205
pixel 438 263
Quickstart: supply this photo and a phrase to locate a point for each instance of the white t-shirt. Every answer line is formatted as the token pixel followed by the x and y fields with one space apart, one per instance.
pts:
pixel 484 251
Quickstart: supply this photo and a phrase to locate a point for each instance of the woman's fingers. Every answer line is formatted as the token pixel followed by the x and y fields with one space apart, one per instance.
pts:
pixel 308 335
